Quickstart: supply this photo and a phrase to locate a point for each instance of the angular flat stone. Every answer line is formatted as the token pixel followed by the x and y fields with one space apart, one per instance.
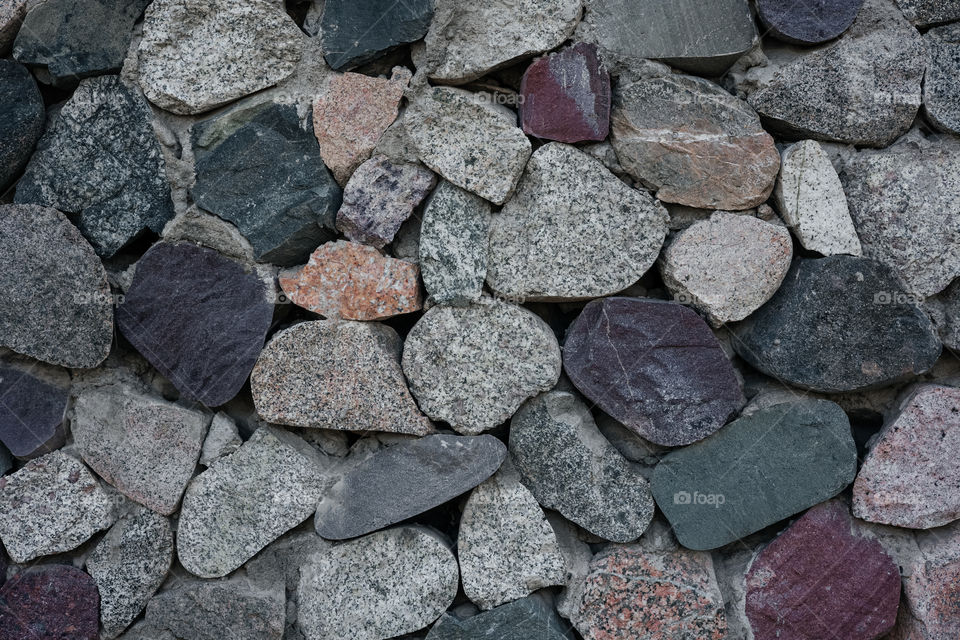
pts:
pixel 473 366
pixel 198 317
pixel 838 324
pixel 931 586
pixel 570 467
pixel 693 143
pixel 31 413
pixel 128 565
pixel 141 444
pixel 524 619
pixel 12 13
pixel 728 266
pixel 654 366
pixel 472 144
pixel 51 505
pixel 798 586
pixel 219 41
pixel 806 24
pixel 810 198
pixel 379 586
pixel 761 468
pixel 101 160
pixel 336 375
pixel 21 118
pixel 405 480
pixel 567 204
pixel 923 13
pixel 354 33
pixel 222 439
pixel 261 171
pixel 247 500
pixel 55 303
pixel 941 88
pixel 56 600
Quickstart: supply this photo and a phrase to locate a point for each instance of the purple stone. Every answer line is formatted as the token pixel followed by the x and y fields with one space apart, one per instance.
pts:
pixel 55 601
pixel 807 23
pixel 654 366
pixel 31 414
pixel 566 96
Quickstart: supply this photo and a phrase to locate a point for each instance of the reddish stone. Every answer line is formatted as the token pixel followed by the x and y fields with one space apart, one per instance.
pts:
pixel 931 584
pixel 354 282
pixel 819 580
pixel 566 96
pixel 53 602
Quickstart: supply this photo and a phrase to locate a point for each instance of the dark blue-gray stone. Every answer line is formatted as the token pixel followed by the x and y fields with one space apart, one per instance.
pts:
pixel 529 618
pixel 259 169
pixel 31 413
pixel 21 119
pixel 807 23
pixel 357 32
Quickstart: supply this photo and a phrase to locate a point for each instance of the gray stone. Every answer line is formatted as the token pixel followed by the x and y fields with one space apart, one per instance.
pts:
pixel 247 500
pixel 944 310
pixel 222 439
pixel 923 13
pixel 100 159
pixel 55 303
pixel 12 13
pixel 525 619
pixel 405 480
pixel 357 32
pixel 473 366
pixel 197 226
pixel 630 445
pixel 21 118
pixel 32 410
pixel 941 87
pixel 567 204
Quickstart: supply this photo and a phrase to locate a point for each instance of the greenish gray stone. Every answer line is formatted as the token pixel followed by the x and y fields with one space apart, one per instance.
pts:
pixel 525 619
pixel 356 32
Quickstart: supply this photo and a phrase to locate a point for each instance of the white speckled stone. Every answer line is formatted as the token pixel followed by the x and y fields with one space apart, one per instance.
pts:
pixel 222 439
pixel 941 87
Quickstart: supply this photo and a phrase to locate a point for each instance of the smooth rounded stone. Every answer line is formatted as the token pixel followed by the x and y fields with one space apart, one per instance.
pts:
pixel 353 33
pixel 838 324
pixel 198 317
pixel 141 444
pixel 901 199
pixel 654 366
pixel 259 169
pixel 404 480
pixel 53 504
pixel 693 143
pixel 55 302
pixel 941 87
pixel 568 204
pixel 758 470
pixel 222 439
pixel 506 547
pixel 923 13
pixel 73 39
pixel 570 467
pixel 31 412
pixel 472 143
pixel 930 609
pixel 21 119
pixel 247 500
pixel 468 40
pixel 50 601
pixel 376 587
pixel 12 13
pixel 100 160
pixel 328 374
pixel 474 366
pixel 525 619
pixel 810 198
pixel 218 41
pixel 453 246
pixel 566 96
pixel 800 585
pixel 807 24
pixel 911 475
pixel 128 565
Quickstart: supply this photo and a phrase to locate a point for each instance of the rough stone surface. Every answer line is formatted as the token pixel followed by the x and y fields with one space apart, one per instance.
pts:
pixel 820 579
pixel 247 500
pixel 941 89
pixel 31 413
pixel 470 142
pixel 51 505
pixel 55 303
pixel 404 480
pixel 216 40
pixel 727 266
pixel 808 24
pixel 838 324
pixel 944 310
pixel 379 586
pixel 100 160
pixel 525 619
pixel 12 13
pixel 21 118
pixel 810 197
pixel 760 469
pixel 222 439
pixel 336 375
pixel 570 467
pixel 567 204
pixel 654 366
pixel 198 317
pixel 931 586
pixel 693 143
pixel 472 367
pixel 52 601
pixel 353 33
pixel 926 12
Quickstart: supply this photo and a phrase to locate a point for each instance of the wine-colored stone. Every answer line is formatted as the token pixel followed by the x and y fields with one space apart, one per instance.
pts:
pixel 51 602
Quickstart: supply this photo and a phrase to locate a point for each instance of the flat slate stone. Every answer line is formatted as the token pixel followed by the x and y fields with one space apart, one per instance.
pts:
pixel 353 33
pixel 838 324
pixel 57 601
pixel 807 24
pixel 198 317
pixel 525 619
pixel 31 413
pixel 100 160
pixel 941 87
pixel 654 366
pixel 21 119
pixel 761 468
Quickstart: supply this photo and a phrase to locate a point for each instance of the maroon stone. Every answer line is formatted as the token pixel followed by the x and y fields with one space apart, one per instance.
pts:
pixel 53 602
pixel 566 96
pixel 654 366
pixel 819 580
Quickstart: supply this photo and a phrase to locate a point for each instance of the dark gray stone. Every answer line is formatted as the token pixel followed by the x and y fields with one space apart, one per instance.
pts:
pixel 21 119
pixel 525 619
pixel 761 468
pixel 31 413
pixel 807 23
pixel 259 169
pixel 941 87
pixel 838 324
pixel 357 32
pixel 924 13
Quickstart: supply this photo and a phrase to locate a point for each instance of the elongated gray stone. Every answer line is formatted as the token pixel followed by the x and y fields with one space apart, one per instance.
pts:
pixel 941 87
pixel 21 118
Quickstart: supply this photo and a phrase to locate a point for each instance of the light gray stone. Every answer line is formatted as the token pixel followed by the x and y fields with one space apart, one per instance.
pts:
pixel 924 13
pixel 941 86
pixel 222 439
pixel 944 310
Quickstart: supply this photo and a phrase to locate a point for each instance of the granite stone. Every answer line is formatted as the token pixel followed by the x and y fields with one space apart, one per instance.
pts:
pixel 21 119
pixel 941 87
